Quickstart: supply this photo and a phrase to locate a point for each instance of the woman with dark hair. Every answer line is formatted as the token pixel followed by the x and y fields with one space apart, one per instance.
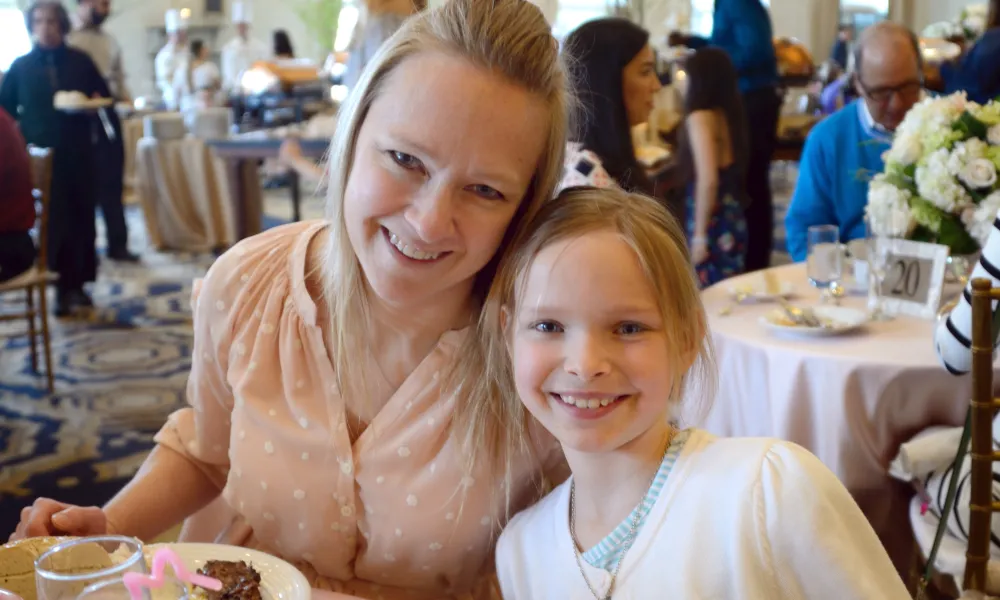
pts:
pixel 714 155
pixel 978 71
pixel 28 93
pixel 614 75
pixel 282 44
pixel 198 81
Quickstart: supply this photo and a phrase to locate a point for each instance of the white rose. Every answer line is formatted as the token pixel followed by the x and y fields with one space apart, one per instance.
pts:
pixel 993 135
pixel 979 174
pixel 906 150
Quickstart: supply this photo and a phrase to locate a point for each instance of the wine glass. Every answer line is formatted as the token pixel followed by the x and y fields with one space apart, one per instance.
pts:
pixel 878 245
pixel 66 569
pixel 825 260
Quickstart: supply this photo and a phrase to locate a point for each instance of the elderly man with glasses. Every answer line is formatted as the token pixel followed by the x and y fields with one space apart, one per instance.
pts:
pixel 846 149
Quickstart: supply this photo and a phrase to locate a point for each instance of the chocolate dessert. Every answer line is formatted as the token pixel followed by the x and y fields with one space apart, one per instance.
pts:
pixel 239 580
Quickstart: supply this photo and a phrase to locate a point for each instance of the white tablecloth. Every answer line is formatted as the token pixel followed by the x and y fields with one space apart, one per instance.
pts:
pixel 185 195
pixel 851 400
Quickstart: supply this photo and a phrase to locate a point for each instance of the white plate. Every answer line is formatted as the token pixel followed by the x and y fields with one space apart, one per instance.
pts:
pixel 760 294
pixel 937 50
pixel 92 104
pixel 843 320
pixel 278 579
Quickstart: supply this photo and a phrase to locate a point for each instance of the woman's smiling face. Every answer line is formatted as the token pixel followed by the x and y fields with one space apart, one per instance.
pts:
pixel 445 156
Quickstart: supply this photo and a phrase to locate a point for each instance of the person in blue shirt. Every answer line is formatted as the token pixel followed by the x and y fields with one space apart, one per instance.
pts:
pixel 978 71
pixel 845 150
pixel 841 46
pixel 743 29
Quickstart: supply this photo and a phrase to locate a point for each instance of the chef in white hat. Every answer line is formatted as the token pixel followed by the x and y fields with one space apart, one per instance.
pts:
pixel 241 52
pixel 171 57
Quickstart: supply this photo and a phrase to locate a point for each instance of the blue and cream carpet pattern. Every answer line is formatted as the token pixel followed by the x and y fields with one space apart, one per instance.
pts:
pixel 118 375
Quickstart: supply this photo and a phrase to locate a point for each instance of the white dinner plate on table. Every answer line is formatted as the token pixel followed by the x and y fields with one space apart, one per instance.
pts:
pixel 937 51
pixel 88 105
pixel 837 320
pixel 760 293
pixel 279 580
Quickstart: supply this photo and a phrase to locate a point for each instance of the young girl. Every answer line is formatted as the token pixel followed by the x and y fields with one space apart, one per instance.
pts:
pixel 599 311
pixel 714 156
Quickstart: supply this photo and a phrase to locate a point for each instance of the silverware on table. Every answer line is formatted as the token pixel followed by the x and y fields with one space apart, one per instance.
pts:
pixel 801 316
pixel 738 298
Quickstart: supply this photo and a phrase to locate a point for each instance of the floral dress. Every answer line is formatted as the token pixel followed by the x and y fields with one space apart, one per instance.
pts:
pixel 727 232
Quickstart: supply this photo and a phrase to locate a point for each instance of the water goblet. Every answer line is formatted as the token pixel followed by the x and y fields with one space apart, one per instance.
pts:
pixel 66 569
pixel 825 260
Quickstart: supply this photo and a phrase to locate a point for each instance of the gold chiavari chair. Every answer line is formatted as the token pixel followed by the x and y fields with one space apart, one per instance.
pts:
pixel 982 455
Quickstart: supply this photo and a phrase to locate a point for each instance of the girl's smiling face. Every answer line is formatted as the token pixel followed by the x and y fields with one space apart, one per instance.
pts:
pixel 588 344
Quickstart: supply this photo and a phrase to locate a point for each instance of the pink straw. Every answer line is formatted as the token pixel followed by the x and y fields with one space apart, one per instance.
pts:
pixel 136 582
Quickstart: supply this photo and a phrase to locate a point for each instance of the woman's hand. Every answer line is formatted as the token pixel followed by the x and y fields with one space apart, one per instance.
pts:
pixel 51 518
pixel 699 250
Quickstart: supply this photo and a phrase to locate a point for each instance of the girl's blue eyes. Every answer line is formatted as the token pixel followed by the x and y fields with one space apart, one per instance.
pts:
pixel 626 329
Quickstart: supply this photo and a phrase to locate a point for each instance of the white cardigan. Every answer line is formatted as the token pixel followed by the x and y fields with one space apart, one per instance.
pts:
pixel 738 518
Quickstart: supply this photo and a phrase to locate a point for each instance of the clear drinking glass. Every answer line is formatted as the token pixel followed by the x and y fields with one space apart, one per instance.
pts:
pixel 878 255
pixel 66 569
pixel 825 261
pixel 114 589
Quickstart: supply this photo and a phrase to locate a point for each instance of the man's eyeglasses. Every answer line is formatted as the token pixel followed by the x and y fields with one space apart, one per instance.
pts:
pixel 908 91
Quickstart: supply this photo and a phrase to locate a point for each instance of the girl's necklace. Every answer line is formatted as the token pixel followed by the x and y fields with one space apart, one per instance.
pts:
pixel 626 543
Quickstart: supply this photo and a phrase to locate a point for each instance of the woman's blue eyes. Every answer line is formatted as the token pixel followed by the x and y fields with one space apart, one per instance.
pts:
pixel 404 160
pixel 412 163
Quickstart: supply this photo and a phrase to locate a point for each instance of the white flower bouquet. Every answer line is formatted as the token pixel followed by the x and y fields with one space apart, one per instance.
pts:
pixel 970 24
pixel 940 181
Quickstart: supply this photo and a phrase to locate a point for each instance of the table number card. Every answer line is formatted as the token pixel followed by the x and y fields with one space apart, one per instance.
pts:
pixel 914 276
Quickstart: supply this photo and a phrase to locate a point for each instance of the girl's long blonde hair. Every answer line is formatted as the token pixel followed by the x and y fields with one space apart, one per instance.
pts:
pixel 510 39
pixel 661 247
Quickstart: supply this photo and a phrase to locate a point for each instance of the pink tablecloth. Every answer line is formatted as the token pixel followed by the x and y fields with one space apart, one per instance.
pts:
pixel 851 400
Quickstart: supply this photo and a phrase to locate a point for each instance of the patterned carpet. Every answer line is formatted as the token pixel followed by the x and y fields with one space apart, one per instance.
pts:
pixel 118 375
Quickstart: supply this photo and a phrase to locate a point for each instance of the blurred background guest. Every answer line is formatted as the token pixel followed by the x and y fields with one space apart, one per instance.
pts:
pixel 17 206
pixel 841 51
pixel 103 49
pixel 27 93
pixel 377 21
pixel 198 81
pixel 241 52
pixel 170 58
pixel 614 75
pixel 743 29
pixel 977 72
pixel 282 45
pixel 714 152
pixel 842 150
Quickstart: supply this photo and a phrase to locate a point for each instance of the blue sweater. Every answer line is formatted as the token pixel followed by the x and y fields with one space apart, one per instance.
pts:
pixel 743 29
pixel 978 72
pixel 840 155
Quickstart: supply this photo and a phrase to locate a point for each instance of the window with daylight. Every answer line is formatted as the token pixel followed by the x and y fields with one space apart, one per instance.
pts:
pixel 701 16
pixel 573 13
pixel 14 38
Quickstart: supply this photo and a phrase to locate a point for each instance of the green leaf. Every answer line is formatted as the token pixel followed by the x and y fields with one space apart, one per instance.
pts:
pixel 320 18
pixel 970 127
pixel 954 235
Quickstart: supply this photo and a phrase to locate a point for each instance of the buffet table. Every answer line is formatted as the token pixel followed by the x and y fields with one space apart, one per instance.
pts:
pixel 851 400
pixel 241 155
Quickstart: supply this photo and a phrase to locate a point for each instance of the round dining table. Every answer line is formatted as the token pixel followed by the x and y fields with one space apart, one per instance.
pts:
pixel 850 399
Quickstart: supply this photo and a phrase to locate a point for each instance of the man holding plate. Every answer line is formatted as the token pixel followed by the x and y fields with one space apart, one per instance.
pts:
pixel 28 94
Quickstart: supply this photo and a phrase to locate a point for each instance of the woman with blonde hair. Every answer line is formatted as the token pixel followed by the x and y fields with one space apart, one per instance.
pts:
pixel 329 422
